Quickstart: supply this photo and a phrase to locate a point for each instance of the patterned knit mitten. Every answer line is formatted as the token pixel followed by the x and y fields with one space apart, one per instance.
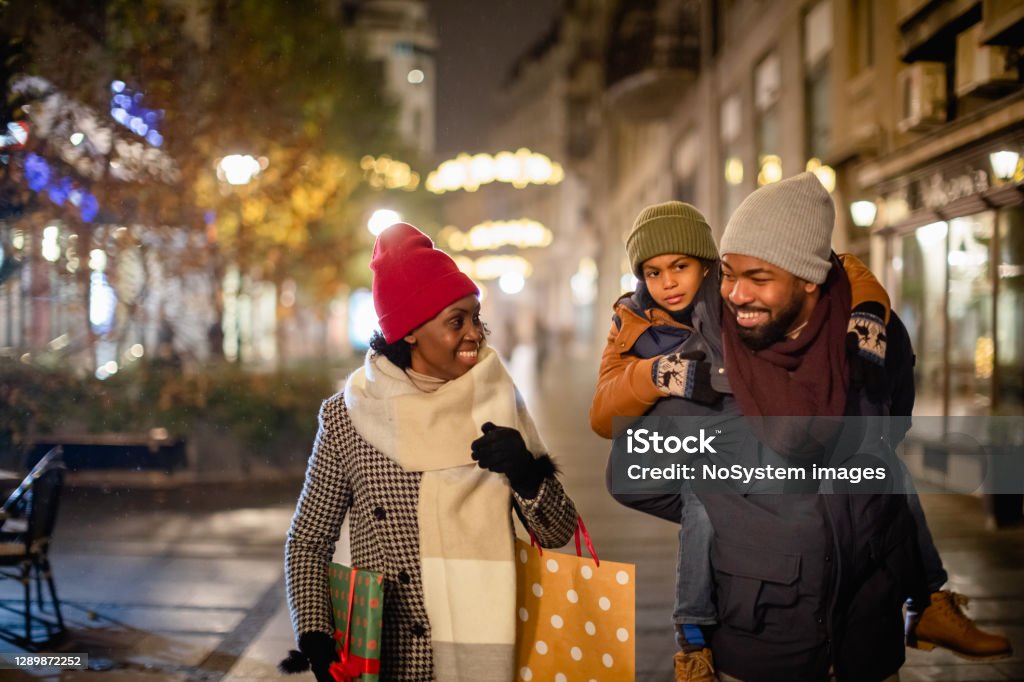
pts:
pixel 867 323
pixel 685 375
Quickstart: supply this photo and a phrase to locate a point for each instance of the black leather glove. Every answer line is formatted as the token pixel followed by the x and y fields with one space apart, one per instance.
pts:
pixel 319 648
pixel 685 375
pixel 502 450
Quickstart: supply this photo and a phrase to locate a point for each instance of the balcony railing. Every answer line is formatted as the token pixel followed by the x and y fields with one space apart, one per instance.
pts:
pixel 652 54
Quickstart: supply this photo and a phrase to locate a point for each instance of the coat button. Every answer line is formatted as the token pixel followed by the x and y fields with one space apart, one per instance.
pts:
pixel 379 513
pixel 821 621
pixel 418 630
pixel 828 557
pixel 403 577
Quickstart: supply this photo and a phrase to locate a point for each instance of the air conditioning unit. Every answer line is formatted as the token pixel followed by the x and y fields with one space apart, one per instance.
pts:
pixel 922 96
pixel 981 69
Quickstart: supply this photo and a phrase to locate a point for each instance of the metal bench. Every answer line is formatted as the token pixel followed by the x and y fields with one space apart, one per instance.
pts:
pixel 154 450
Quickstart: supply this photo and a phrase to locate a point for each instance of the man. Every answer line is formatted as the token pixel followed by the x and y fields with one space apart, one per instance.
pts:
pixel 810 587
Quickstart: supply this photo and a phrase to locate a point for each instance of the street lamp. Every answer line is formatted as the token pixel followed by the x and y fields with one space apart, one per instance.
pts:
pixel 1004 163
pixel 863 213
pixel 238 169
pixel 382 219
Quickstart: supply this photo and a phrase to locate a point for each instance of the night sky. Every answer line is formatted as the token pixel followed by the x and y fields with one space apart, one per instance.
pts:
pixel 477 44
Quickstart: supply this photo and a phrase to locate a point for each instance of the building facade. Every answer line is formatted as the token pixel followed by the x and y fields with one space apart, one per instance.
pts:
pixel 400 37
pixel 906 108
pixel 940 160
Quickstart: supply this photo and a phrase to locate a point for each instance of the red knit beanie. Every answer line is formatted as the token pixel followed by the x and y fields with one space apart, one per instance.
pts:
pixel 412 281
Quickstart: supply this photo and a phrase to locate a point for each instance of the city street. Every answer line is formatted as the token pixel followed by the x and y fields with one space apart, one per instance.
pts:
pixel 186 583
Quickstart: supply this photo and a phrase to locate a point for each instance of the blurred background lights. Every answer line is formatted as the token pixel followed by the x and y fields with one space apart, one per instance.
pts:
pixel 863 213
pixel 519 169
pixel 362 318
pixel 523 234
pixel 1004 163
pixel 584 282
pixel 771 170
pixel 382 219
pixel 50 247
pixel 733 170
pixel 383 172
pixel 102 303
pixel 825 174
pixel 628 282
pixel 137 351
pixel 511 283
pixel 238 169
pixel 493 267
pixel 415 76
pixel 98 260
pixel 931 234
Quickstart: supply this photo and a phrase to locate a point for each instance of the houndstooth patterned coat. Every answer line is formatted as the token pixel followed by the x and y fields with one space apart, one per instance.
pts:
pixel 346 475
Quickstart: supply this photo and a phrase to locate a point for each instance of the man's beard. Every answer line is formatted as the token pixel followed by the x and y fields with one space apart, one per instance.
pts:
pixel 773 331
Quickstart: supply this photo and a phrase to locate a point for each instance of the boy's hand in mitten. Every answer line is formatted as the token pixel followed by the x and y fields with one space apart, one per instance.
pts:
pixel 685 375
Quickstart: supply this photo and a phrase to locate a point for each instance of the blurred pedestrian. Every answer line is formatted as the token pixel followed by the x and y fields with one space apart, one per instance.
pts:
pixel 428 450
pixel 166 355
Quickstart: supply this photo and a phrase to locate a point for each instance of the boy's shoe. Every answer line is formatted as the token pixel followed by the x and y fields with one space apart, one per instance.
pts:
pixel 944 624
pixel 695 666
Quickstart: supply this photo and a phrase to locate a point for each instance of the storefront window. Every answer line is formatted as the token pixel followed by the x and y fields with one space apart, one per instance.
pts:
pixel 1010 313
pixel 731 124
pixel 971 352
pixel 922 278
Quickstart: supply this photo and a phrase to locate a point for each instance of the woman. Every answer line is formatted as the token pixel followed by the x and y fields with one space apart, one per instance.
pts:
pixel 411 452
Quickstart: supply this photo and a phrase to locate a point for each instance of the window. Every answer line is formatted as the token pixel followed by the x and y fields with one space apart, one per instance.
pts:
pixel 767 85
pixel 684 169
pixel 732 159
pixel 861 36
pixel 817 85
pixel 1010 313
pixel 921 278
pixel 964 311
pixel 971 341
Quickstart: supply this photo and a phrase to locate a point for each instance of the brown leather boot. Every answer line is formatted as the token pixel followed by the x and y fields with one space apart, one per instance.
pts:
pixel 944 624
pixel 695 666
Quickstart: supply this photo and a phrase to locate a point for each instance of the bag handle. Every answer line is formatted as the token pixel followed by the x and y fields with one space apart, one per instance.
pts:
pixel 581 529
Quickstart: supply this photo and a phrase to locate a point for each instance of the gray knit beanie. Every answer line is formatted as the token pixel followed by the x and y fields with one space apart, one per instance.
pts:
pixel 788 224
pixel 671 227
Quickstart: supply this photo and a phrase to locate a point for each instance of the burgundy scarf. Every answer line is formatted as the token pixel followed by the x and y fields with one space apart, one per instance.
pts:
pixel 803 377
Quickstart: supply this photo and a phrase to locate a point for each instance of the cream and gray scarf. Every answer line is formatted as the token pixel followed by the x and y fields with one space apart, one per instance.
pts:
pixel 466 533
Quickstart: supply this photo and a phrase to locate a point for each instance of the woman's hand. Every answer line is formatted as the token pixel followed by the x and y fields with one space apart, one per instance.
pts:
pixel 502 450
pixel 320 649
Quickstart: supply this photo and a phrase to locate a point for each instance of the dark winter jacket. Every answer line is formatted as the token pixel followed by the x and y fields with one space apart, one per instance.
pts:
pixel 809 582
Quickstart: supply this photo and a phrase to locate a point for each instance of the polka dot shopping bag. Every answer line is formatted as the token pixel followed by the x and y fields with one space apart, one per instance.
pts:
pixel 576 616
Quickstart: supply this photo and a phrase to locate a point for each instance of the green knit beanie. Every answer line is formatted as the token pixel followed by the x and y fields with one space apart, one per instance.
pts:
pixel 671 227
